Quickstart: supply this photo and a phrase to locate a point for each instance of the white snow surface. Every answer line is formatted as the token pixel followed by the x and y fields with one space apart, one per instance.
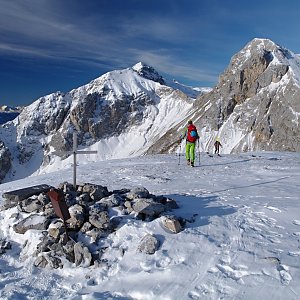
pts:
pixel 241 241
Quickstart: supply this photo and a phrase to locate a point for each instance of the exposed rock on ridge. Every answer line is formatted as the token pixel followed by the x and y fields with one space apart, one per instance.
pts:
pixel 5 160
pixel 132 102
pixel 254 107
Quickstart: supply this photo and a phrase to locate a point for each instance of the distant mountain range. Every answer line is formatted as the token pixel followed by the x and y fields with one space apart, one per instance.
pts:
pixel 6 108
pixel 135 111
pixel 8 113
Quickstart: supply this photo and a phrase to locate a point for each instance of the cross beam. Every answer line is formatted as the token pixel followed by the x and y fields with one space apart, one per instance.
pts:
pixel 75 152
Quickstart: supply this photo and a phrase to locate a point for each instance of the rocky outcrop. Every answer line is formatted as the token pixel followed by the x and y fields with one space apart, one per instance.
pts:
pixel 119 103
pixel 5 161
pixel 148 72
pixel 255 105
pixel 4 245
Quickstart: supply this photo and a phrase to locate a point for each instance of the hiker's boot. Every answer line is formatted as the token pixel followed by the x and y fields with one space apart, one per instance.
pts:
pixel 188 162
pixel 192 164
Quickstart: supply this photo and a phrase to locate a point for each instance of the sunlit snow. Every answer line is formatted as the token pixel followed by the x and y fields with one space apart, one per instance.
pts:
pixel 241 239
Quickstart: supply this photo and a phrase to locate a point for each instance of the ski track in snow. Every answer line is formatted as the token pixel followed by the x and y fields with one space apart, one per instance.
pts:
pixel 241 239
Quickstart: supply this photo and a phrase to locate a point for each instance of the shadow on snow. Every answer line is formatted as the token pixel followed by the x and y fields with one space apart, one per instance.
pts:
pixel 198 210
pixel 251 185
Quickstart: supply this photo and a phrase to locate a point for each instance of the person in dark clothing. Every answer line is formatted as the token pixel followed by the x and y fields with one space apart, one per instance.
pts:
pixel 217 146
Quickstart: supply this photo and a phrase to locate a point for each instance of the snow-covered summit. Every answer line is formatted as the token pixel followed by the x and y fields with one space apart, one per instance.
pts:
pixel 120 114
pixel 148 72
pixel 271 54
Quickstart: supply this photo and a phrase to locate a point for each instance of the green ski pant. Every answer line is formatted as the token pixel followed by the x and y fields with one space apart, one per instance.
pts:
pixel 190 152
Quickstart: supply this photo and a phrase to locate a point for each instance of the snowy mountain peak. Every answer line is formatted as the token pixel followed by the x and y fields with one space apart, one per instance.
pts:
pixel 139 66
pixel 266 53
pixel 148 72
pixel 270 50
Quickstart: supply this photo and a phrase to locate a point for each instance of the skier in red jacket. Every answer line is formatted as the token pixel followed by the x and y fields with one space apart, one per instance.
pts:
pixel 191 135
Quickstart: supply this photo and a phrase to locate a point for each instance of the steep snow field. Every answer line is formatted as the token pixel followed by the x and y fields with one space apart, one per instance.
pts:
pixel 242 240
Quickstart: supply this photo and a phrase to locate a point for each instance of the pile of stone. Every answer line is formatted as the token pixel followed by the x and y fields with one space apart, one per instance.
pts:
pixel 88 207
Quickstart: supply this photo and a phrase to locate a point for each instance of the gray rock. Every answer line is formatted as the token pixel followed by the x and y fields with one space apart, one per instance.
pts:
pixel 33 203
pixel 66 187
pixel 100 220
pixel 57 249
pixel 70 199
pixel 111 201
pixel 24 193
pixel 96 192
pixel 83 257
pixel 84 198
pixel 167 202
pixel 35 221
pixel 49 211
pixel 40 262
pixel 47 259
pixel 96 234
pixel 56 229
pixel 69 250
pixel 171 223
pixel 45 244
pixel 128 204
pixel 138 192
pixel 86 227
pixel 148 207
pixel 7 205
pixel 77 217
pixel 148 244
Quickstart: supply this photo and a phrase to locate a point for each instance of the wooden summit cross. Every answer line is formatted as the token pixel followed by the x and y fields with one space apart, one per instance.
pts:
pixel 75 152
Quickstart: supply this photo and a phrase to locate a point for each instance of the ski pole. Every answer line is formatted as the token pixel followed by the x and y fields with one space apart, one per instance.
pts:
pixel 179 153
pixel 199 150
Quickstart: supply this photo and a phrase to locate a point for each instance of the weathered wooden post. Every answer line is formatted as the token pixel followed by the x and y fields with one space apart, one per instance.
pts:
pixel 60 207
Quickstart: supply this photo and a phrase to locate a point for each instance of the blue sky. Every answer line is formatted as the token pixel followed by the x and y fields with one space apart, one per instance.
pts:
pixel 57 45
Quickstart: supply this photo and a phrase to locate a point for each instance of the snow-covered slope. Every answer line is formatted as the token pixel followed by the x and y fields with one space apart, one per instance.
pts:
pixel 241 240
pixel 119 114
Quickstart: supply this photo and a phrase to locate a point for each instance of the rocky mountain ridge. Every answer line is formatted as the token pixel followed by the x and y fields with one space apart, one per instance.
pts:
pixel 119 114
pixel 254 107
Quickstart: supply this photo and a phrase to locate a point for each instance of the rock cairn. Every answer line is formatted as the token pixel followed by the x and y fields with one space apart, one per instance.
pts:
pixel 89 207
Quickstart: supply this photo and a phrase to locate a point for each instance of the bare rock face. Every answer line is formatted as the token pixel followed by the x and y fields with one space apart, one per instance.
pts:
pixel 254 107
pixel 148 72
pixel 5 160
pixel 4 245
